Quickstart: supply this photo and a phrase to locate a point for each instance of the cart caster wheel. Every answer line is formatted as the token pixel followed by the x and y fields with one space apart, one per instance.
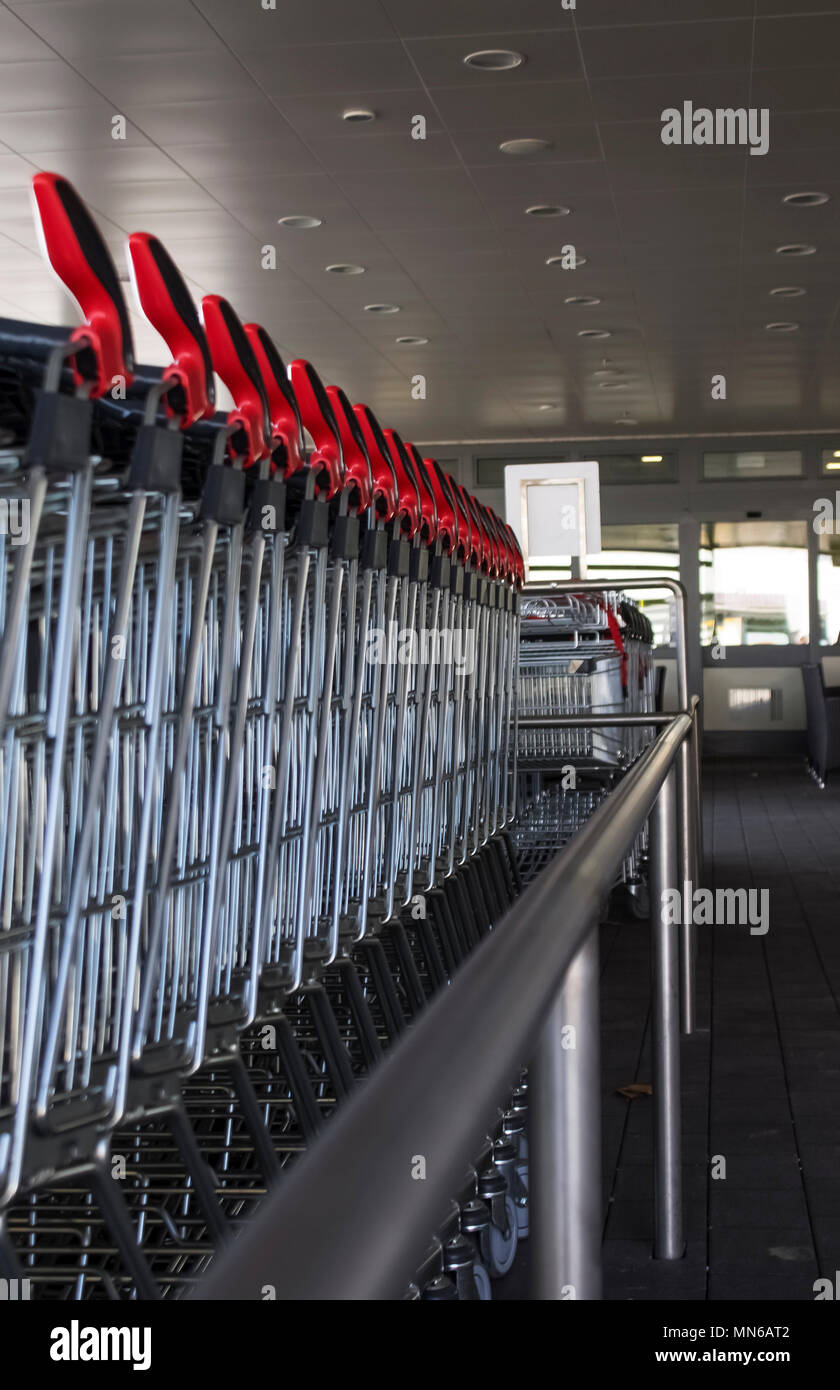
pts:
pixel 498 1248
pixel 482 1283
pixel 638 896
pixel 522 1202
pixel 440 1290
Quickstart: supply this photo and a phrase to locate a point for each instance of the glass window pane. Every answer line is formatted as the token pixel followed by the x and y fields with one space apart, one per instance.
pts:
pixel 637 468
pixel 828 589
pixel 491 472
pixel 613 468
pixel 754 463
pixel 754 583
pixel 642 552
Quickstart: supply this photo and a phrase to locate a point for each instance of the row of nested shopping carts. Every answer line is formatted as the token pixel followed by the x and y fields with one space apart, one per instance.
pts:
pixel 588 656
pixel 257 712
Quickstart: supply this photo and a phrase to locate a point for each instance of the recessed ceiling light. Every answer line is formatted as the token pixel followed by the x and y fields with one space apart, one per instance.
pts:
pixel 563 261
pixel 525 146
pixel 299 221
pixel 594 333
pixel 358 115
pixel 345 268
pixel 495 59
pixel 781 327
pixel 412 342
pixel 382 308
pixel 788 291
pixel 626 419
pixel 547 210
pixel 651 458
pixel 612 385
pixel 832 467
pixel 837 453
pixel 796 248
pixel 584 300
pixel 805 200
pixel 547 405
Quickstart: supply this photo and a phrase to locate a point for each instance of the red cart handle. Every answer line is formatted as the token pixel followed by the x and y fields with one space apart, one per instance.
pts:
pixel 496 570
pixel 500 545
pixel 476 551
pixel 485 545
pixel 518 559
pixel 318 418
pixel 385 492
pixel 235 363
pixel 356 462
pixel 283 412
pixel 465 529
pixel 406 486
pixel 80 258
pixel 510 558
pixel 428 505
pixel 447 521
pixel 167 304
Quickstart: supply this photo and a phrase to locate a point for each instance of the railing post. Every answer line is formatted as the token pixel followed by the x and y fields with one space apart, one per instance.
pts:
pixel 668 1241
pixel 565 1176
pixel 687 840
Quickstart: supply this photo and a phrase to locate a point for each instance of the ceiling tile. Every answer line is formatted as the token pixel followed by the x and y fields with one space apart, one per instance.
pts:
pixel 476 17
pixel 798 40
pixel 316 22
pixel 550 56
pixel 206 122
pixel 332 67
pixel 75 128
pixel 147 78
pixel 667 48
pixel 384 153
pixel 90 28
pixel 489 107
pixel 315 116
pixel 600 12
pixel 43 86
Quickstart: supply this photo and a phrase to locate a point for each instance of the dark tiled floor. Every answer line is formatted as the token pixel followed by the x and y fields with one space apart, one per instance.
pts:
pixel 761 1076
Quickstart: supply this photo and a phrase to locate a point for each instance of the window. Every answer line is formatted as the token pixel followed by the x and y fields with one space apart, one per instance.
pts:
pixel 652 467
pixel 754 583
pixel 831 461
pixel 642 552
pixel 491 472
pixel 828 589
pixel 754 463
pixel 639 552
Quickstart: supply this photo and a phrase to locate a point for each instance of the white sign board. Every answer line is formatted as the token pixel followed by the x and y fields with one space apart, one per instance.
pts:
pixel 555 510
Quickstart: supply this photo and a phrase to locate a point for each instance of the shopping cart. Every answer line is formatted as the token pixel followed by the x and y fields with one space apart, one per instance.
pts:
pixel 239 853
pixel 581 655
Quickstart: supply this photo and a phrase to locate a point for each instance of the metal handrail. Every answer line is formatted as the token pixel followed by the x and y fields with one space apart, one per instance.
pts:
pixel 353 1219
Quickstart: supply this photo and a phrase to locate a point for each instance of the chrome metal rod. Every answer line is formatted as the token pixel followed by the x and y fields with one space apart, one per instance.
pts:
pixel 598 721
pixel 687 845
pixel 565 1179
pixel 668 1238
